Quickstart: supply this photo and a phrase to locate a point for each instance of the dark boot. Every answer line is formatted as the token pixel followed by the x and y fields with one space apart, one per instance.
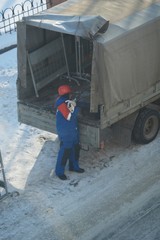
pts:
pixel 74 164
pixel 62 177
pixel 80 170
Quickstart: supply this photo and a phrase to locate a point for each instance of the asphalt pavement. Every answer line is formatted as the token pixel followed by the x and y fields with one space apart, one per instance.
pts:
pixel 145 225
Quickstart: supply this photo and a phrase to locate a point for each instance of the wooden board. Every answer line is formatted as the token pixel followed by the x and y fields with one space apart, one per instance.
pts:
pixel 46 120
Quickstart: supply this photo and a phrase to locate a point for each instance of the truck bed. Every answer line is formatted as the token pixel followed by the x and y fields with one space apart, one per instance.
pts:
pixel 40 113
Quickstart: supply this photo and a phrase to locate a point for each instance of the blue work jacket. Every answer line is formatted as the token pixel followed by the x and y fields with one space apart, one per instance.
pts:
pixel 66 129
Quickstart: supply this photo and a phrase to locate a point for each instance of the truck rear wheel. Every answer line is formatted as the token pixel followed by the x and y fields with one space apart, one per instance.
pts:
pixel 146 126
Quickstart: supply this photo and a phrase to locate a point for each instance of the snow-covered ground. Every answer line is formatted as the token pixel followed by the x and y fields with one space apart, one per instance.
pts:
pixel 117 180
pixel 8 39
pixel 14 136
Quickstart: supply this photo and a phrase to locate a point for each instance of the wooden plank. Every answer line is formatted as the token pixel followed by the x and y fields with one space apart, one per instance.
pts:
pixel 45 120
pixel 32 118
pixel 21 54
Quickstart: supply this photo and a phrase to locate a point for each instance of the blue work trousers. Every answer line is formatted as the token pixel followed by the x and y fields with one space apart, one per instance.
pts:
pixel 69 150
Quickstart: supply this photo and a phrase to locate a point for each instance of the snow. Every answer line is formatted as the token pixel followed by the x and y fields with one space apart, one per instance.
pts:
pixel 8 39
pixel 48 208
pixel 8 4
pixel 11 4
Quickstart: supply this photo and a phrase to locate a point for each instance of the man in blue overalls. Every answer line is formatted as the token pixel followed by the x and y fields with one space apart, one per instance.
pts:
pixel 67 129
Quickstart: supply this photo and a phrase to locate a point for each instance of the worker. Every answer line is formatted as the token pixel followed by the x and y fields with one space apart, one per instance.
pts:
pixel 67 129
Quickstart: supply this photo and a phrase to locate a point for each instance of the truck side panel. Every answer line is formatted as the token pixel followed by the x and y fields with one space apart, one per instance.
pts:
pixel 46 120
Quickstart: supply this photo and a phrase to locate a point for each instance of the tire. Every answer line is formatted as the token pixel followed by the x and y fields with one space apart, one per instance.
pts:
pixel 146 126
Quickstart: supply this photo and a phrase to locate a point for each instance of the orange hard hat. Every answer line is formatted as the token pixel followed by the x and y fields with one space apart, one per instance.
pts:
pixel 64 89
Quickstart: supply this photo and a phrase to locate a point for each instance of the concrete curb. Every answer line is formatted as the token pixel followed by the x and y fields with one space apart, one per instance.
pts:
pixel 6 49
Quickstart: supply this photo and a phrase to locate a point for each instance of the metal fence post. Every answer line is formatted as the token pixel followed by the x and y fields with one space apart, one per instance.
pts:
pixel 4 182
pixel 9 16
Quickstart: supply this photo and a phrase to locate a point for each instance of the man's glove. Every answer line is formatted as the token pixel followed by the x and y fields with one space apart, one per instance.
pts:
pixel 71 105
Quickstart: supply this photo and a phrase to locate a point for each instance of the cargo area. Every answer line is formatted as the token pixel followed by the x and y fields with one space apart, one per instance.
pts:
pixel 112 67
pixel 53 60
pixel 59 59
pixel 49 67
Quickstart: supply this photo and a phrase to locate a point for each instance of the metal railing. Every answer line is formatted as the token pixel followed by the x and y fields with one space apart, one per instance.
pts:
pixel 10 16
pixel 4 193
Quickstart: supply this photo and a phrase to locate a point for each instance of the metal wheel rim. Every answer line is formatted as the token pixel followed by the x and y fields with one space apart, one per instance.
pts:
pixel 151 127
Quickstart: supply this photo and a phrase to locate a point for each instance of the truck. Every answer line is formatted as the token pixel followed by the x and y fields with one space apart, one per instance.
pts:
pixel 108 52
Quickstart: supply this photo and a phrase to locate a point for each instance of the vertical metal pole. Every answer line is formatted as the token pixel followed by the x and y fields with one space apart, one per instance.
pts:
pixel 76 54
pixel 82 61
pixel 65 55
pixel 4 178
pixel 33 79
pixel 79 56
